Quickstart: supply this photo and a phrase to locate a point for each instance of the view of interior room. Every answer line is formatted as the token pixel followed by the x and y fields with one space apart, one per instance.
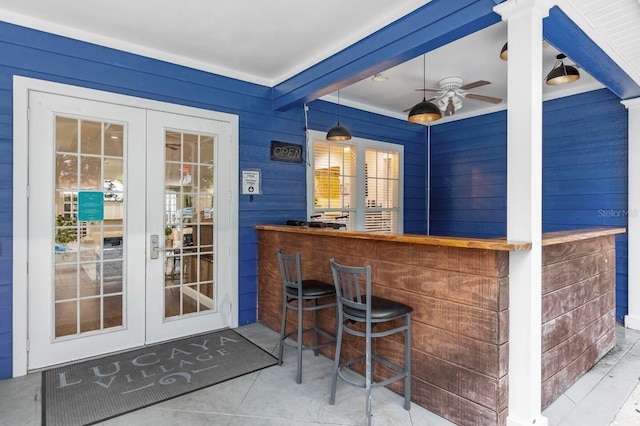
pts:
pixel 89 250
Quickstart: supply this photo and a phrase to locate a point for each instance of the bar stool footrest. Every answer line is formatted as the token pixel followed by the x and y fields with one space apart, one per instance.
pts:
pixel 361 382
pixel 294 344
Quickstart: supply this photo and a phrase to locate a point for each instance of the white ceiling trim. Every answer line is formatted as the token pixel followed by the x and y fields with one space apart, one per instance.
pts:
pixel 65 31
pixel 585 12
pixel 408 7
pixel 631 103
pixel 359 33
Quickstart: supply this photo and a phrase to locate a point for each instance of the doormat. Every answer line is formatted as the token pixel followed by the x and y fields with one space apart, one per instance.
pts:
pixel 96 390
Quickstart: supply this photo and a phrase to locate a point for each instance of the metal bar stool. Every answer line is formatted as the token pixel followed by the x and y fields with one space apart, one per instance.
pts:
pixel 295 292
pixel 356 307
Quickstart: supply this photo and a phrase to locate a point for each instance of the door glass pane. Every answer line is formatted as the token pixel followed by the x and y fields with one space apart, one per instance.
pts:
pixel 89 321
pixel 91 137
pixel 90 173
pixel 189 219
pixel 67 174
pixel 113 140
pixel 89 284
pixel 66 318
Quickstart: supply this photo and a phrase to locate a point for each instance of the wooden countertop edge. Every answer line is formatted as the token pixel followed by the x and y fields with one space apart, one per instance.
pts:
pixel 559 237
pixel 498 244
pixel 474 243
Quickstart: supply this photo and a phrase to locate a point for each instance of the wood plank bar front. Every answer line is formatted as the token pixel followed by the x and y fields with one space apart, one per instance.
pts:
pixel 459 289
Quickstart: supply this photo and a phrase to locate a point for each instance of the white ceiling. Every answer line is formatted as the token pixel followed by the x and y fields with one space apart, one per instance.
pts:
pixel 266 42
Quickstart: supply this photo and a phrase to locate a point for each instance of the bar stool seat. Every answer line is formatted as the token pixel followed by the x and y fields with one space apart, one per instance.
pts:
pixel 381 309
pixel 312 288
pixel 296 292
pixel 356 305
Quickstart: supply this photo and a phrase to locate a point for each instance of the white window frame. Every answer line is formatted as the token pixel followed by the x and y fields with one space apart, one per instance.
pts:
pixel 361 145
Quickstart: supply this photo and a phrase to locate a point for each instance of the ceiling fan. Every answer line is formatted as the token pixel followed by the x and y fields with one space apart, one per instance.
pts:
pixel 452 92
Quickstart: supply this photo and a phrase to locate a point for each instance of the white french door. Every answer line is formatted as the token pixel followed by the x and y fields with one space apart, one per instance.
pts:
pixel 129 213
pixel 188 276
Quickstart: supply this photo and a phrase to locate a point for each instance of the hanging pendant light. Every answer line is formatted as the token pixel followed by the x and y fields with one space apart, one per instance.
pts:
pixel 561 73
pixel 424 112
pixel 338 132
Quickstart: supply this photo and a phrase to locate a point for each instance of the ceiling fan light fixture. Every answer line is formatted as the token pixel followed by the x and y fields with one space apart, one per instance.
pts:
pixel 338 133
pixel 504 53
pixel 561 73
pixel 449 104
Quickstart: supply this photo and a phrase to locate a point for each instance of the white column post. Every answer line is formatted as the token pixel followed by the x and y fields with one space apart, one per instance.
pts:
pixel 632 319
pixel 524 206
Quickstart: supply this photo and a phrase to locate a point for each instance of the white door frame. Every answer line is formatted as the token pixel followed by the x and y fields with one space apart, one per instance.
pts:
pixel 21 88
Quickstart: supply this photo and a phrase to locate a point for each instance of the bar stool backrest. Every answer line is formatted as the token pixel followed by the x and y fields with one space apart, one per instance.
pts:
pixel 353 286
pixel 290 271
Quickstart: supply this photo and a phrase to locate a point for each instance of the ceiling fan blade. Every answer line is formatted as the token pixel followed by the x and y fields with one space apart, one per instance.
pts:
pixel 409 109
pixel 428 90
pixel 483 98
pixel 475 84
pixel 450 109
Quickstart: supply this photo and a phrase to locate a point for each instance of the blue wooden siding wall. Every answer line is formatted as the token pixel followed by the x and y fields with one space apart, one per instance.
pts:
pixel 39 55
pixel 468 177
pixel 584 173
pixel 585 156
pixel 44 56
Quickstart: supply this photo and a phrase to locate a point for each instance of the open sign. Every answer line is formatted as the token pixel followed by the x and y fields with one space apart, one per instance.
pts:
pixel 288 152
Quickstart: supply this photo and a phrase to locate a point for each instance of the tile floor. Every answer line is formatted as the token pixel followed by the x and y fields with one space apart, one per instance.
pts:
pixel 271 396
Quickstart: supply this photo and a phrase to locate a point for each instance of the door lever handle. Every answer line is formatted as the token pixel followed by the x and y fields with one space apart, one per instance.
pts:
pixel 154 246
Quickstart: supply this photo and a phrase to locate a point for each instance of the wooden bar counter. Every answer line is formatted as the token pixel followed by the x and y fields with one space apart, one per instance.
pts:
pixel 459 289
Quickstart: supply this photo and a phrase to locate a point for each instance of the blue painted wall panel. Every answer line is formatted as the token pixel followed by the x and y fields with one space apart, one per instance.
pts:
pixel 5 321
pixel 468 180
pixel 5 365
pixel 584 173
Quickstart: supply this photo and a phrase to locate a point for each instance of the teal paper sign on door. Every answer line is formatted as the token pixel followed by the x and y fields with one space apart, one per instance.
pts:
pixel 90 206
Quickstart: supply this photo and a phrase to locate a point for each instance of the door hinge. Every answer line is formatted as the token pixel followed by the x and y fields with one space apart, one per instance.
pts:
pixel 28 114
pixel 28 345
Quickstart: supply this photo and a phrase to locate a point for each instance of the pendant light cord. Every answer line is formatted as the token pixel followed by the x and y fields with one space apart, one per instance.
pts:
pixel 338 107
pixel 424 77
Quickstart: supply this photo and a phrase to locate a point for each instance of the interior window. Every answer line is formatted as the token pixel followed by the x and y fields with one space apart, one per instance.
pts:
pixel 357 184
